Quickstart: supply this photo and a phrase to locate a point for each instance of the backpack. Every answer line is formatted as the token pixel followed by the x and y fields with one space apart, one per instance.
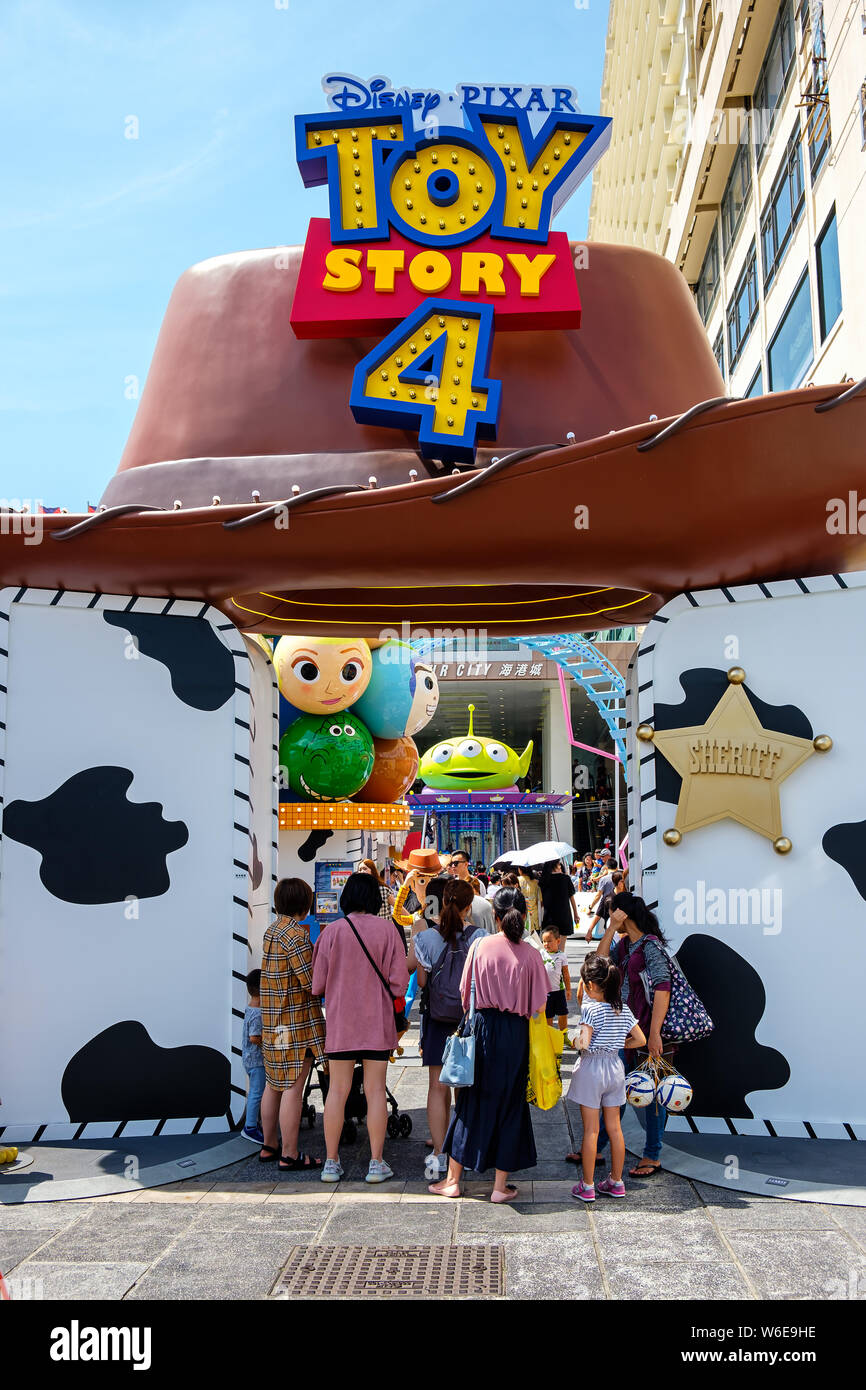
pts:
pixel 443 986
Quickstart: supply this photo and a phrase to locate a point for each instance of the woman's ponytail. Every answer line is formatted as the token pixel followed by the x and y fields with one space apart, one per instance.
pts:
pixel 601 971
pixel 456 898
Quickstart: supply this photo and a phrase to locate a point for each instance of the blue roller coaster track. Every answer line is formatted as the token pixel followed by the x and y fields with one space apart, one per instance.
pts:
pixel 575 653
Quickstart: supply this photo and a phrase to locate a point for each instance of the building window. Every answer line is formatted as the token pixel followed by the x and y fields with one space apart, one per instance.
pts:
pixel 790 351
pixel 719 351
pixel 755 387
pixel 703 24
pixel 829 280
pixel 816 97
pixel 783 208
pixel 773 78
pixel 736 195
pixel 743 308
pixel 707 286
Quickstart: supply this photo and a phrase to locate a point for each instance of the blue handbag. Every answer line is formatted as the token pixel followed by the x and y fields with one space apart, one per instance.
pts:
pixel 458 1058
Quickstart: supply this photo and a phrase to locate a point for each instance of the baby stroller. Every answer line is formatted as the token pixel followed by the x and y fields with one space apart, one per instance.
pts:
pixel 399 1126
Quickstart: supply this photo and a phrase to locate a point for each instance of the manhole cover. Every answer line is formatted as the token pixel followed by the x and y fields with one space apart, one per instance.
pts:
pixel 389 1271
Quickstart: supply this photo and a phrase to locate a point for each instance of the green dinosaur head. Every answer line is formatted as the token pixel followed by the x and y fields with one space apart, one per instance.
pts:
pixel 327 757
pixel 473 763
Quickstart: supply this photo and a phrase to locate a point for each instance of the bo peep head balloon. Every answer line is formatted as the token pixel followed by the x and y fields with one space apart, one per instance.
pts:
pixel 323 675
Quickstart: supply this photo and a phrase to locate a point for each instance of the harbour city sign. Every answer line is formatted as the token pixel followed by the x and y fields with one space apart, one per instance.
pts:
pixel 440 207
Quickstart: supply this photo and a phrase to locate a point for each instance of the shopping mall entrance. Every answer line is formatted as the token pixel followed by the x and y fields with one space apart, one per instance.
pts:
pixel 518 695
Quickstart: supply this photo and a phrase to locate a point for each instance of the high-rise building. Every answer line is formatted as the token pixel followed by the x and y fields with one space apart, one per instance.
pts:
pixel 739 153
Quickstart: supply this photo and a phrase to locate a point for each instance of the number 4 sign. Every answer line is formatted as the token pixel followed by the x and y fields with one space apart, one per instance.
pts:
pixel 430 374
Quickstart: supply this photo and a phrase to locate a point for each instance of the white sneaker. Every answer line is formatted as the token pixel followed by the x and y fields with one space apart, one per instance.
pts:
pixel 435 1167
pixel 378 1171
pixel 332 1171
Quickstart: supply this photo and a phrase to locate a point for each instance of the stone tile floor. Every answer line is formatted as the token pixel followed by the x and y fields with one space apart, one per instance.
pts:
pixel 228 1234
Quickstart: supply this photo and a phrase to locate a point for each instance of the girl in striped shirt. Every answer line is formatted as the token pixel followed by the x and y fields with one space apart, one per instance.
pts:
pixel 598 1083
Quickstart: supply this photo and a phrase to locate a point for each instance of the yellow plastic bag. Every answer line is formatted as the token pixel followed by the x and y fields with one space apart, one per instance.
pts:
pixel 544 1087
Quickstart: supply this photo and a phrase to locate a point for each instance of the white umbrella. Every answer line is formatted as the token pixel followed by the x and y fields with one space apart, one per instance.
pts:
pixel 517 857
pixel 547 851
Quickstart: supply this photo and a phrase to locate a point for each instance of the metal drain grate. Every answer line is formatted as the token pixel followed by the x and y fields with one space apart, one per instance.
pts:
pixel 392 1271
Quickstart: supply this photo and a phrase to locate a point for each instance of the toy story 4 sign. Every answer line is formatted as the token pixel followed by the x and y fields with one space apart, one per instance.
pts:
pixel 439 228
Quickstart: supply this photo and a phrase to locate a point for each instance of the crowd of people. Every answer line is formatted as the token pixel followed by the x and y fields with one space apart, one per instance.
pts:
pixel 489 943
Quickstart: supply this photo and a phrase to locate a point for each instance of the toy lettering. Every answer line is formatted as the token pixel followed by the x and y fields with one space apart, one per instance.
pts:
pixel 497 175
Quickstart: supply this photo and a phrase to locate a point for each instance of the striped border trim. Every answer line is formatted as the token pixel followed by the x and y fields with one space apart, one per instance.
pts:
pixel 231 638
pixel 646 819
pixel 242 842
pixel 266 784
pixel 275 780
pixel 758 1128
pixel 632 776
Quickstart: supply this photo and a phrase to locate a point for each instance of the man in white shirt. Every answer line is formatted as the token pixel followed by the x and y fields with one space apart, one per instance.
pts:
pixel 482 910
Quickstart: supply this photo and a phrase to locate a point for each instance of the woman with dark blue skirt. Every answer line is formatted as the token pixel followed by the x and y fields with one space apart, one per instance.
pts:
pixel 492 1127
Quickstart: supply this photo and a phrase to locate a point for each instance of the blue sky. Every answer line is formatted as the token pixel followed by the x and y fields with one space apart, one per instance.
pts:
pixel 95 228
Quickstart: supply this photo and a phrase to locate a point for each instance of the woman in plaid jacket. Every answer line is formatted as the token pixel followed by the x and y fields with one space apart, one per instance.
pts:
pixel 293 1030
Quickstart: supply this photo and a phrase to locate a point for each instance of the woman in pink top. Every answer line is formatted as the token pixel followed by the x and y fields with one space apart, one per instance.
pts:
pixel 492 1126
pixel 359 965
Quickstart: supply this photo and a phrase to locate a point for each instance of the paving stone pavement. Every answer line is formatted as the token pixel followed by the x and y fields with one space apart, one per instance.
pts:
pixel 228 1234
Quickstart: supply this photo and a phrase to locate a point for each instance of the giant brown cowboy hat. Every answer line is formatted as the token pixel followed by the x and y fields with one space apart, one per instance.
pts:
pixel 625 417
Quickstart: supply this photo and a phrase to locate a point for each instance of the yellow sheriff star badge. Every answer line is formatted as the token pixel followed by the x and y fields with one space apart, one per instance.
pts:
pixel 732 767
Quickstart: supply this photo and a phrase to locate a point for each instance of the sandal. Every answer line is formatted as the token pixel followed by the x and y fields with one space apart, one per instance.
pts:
pixel 641 1170
pixel 271 1154
pixel 302 1164
pixel 578 1159
pixel 507 1196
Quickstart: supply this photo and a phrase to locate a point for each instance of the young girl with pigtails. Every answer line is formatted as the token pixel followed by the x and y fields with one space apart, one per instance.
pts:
pixel 598 1083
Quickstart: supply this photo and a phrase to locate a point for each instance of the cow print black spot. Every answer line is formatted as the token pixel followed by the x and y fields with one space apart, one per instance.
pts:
pixel 846 845
pixel 201 669
pixel 313 844
pixel 730 1063
pixel 257 866
pixel 96 846
pixel 704 688
pixel 122 1074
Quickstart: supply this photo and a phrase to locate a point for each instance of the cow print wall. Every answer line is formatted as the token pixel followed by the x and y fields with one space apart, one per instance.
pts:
pixel 748 923
pixel 126 862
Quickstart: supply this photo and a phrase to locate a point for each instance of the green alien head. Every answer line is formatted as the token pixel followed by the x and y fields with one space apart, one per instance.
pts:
pixel 473 763
pixel 327 757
